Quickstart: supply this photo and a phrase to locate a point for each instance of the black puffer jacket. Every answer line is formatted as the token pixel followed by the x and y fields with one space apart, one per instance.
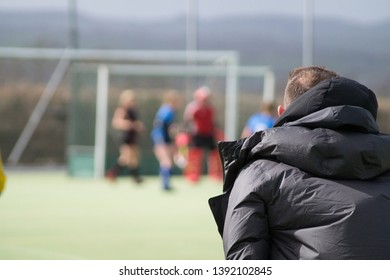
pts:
pixel 316 186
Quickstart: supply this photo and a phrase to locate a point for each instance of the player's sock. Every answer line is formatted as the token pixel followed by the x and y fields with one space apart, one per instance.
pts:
pixel 165 173
pixel 215 165
pixel 194 166
pixel 113 172
pixel 135 174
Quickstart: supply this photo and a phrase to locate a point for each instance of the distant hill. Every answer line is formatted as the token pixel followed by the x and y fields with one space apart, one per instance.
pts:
pixel 352 49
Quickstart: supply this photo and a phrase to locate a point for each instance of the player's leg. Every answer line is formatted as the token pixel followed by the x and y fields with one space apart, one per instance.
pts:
pixel 122 162
pixel 214 165
pixel 163 154
pixel 193 169
pixel 133 162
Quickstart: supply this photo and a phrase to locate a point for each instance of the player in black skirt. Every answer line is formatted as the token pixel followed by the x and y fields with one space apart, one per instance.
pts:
pixel 126 120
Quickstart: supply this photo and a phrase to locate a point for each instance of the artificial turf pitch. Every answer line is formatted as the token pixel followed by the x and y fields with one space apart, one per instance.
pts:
pixel 48 215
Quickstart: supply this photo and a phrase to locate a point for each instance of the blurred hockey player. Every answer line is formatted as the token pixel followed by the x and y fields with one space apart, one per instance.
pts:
pixel 163 136
pixel 199 116
pixel 126 120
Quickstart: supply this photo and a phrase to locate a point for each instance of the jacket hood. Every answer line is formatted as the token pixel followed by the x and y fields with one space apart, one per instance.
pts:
pixel 333 92
pixel 335 140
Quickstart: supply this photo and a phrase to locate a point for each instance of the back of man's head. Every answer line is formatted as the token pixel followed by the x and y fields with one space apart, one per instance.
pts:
pixel 302 79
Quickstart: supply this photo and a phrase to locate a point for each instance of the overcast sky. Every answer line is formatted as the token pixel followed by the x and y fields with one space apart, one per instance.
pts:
pixel 369 11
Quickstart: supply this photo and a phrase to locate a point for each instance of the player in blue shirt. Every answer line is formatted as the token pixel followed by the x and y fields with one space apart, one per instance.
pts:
pixel 260 121
pixel 162 136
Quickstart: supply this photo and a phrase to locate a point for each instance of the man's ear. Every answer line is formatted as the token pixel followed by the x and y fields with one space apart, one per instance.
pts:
pixel 280 110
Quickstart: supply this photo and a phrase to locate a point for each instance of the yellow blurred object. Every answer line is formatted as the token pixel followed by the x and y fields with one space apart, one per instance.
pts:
pixel 2 176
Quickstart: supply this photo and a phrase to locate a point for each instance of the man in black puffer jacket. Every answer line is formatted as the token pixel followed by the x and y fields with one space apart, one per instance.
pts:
pixel 317 184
